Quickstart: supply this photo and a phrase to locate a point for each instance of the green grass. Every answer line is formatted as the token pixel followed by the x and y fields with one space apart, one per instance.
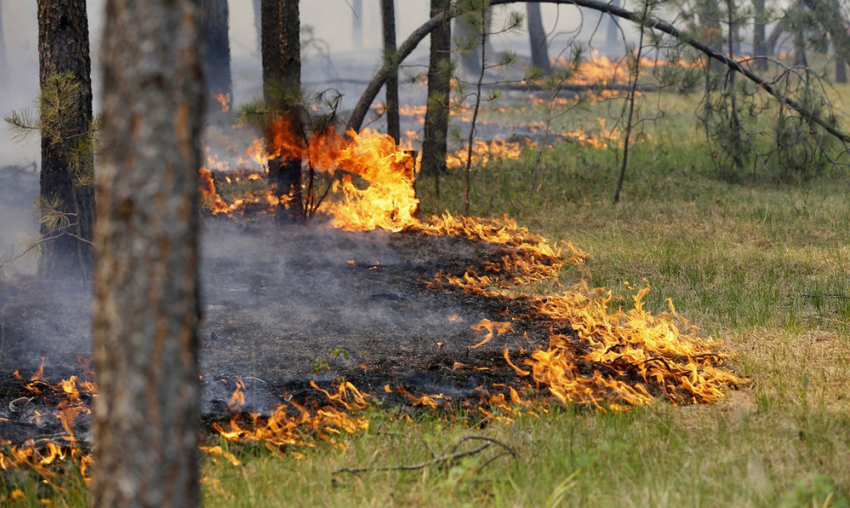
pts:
pixel 763 266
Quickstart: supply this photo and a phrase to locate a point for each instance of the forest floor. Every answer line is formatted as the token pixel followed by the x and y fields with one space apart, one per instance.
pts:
pixel 761 265
pixel 758 264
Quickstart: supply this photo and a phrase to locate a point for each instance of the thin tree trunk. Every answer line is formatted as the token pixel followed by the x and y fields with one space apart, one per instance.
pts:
pixel 840 69
pixel 471 138
pixel 773 39
pixel 63 47
pixel 146 279
pixel 388 19
pixel 759 33
pixel 631 102
pixel 800 42
pixel 537 38
pixel 219 79
pixel 282 75
pixel 436 128
pixel 357 23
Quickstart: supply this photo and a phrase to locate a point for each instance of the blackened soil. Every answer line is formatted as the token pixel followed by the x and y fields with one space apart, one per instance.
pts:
pixel 286 305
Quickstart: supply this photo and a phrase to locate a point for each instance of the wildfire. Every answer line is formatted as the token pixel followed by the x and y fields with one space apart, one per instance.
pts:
pixel 224 100
pixel 294 425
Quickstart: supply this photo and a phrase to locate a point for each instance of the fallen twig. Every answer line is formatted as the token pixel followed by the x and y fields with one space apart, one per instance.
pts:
pixel 439 460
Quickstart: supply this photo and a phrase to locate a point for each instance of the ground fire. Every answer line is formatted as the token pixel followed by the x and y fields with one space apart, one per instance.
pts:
pixel 573 346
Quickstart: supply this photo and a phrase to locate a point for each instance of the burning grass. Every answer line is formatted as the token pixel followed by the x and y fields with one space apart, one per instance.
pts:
pixel 597 354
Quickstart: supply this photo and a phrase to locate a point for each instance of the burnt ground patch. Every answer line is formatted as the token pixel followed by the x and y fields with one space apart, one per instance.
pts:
pixel 283 306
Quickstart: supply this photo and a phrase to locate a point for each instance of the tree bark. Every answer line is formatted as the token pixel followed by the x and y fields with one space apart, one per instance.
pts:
pixel 281 27
pixel 63 48
pixel 219 78
pixel 146 278
pixel 537 38
pixel 388 21
pixel 270 43
pixel 407 47
pixel 357 23
pixel 436 128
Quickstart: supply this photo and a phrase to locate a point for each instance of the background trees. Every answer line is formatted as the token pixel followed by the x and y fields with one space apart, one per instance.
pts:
pixel 146 284
pixel 537 39
pixel 67 195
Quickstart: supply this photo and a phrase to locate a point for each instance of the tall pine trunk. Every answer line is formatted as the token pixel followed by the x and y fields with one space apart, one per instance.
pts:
pixel 388 22
pixel 146 278
pixel 219 78
pixel 281 43
pixel 436 128
pixel 63 49
pixel 537 38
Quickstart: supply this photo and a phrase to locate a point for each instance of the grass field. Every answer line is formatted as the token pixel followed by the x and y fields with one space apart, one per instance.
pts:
pixel 763 266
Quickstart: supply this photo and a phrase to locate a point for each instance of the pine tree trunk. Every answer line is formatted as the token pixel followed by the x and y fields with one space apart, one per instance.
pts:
pixel 537 38
pixel 388 22
pixel 281 27
pixel 357 23
pixel 800 42
pixel 270 43
pixel 219 79
pixel 146 278
pixel 63 48
pixel 436 128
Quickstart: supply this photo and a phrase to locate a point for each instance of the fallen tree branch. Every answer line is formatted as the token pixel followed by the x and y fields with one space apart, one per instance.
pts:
pixel 362 107
pixel 442 459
